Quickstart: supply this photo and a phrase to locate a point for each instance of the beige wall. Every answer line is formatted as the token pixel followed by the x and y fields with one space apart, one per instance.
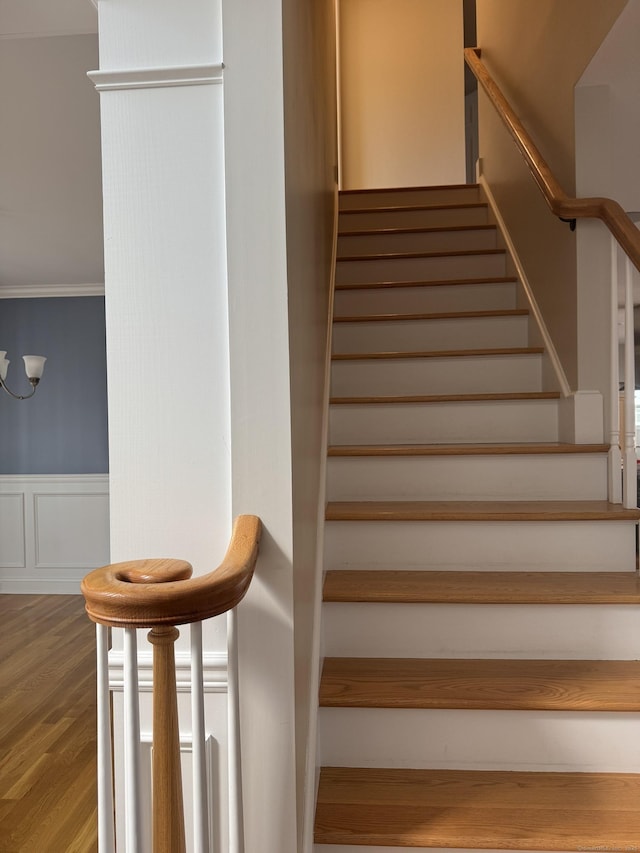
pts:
pixel 51 207
pixel 537 50
pixel 309 31
pixel 402 92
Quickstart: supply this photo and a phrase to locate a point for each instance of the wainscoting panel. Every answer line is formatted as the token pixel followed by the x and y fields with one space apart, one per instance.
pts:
pixel 53 530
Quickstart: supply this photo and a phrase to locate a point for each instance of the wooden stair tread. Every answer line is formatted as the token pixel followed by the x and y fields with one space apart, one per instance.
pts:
pixel 395 256
pixel 479 511
pixel 476 809
pixel 412 189
pixel 441 315
pixel 468 587
pixel 392 208
pixel 464 449
pixel 458 353
pixel 481 684
pixel 414 229
pixel 460 282
pixel 515 396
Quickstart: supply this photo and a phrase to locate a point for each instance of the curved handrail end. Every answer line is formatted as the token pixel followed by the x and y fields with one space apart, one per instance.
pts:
pixel 148 593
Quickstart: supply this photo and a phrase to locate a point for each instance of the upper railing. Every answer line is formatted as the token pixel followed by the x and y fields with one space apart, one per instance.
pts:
pixel 625 241
pixel 562 205
pixel 160 594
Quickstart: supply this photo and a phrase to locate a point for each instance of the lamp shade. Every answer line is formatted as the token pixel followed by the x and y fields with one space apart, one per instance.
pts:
pixel 34 365
pixel 4 364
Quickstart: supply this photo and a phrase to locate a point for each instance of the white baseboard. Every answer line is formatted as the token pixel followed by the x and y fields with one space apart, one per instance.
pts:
pixel 581 418
pixel 53 530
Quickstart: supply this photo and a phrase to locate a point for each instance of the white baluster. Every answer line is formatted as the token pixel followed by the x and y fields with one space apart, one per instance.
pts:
pixel 132 779
pixel 106 840
pixel 200 792
pixel 630 465
pixel 236 817
pixel 615 454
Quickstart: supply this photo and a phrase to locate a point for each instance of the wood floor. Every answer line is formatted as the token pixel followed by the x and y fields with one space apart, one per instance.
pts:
pixel 47 725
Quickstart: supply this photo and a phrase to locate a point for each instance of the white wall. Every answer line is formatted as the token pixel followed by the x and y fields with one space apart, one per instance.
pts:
pixel 310 163
pixel 612 139
pixel 607 108
pixel 187 454
pixel 260 411
pixel 402 93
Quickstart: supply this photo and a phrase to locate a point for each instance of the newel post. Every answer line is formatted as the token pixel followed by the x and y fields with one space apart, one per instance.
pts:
pixel 168 810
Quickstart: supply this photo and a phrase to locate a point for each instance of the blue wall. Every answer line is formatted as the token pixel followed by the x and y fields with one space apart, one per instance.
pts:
pixel 63 429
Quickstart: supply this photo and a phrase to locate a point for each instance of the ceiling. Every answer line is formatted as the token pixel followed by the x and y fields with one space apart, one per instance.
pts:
pixel 50 171
pixel 47 17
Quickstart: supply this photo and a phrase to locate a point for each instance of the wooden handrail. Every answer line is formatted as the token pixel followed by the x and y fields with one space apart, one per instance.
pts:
pixel 560 204
pixel 150 593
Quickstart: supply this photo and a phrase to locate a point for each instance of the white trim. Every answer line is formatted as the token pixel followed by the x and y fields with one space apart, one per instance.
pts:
pixel 212 790
pixel 336 9
pixel 565 388
pixel 36 586
pixel 46 34
pixel 311 762
pixel 154 78
pixel 35 291
pixel 581 418
pixel 59 479
pixel 214 671
pixel 54 557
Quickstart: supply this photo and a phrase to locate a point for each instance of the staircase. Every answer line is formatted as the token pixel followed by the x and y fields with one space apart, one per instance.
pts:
pixel 481 628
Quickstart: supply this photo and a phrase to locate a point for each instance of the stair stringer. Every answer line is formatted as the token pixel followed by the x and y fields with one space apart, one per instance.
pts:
pixel 312 764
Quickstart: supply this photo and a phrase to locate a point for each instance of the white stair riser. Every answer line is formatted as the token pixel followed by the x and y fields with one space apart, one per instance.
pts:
pixel 407 300
pixel 452 423
pixel 522 631
pixel 421 241
pixel 426 195
pixel 553 741
pixel 357 848
pixel 441 375
pixel 488 545
pixel 434 218
pixel 420 269
pixel 476 478
pixel 405 335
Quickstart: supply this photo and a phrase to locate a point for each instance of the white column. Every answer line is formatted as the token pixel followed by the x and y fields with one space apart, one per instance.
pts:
pixel 161 95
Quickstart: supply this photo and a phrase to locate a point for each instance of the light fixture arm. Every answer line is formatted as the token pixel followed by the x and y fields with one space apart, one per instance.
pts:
pixel 34 367
pixel 34 382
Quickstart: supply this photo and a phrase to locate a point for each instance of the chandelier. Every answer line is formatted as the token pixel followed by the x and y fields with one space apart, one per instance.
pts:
pixel 34 368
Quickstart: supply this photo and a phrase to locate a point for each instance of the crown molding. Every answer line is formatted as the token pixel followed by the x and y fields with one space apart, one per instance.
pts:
pixel 156 78
pixel 47 34
pixel 37 291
